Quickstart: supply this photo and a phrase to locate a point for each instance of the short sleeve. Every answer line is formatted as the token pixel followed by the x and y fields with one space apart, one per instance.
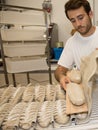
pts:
pixel 67 58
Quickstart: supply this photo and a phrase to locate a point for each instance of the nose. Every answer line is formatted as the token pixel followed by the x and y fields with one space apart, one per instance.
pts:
pixel 77 22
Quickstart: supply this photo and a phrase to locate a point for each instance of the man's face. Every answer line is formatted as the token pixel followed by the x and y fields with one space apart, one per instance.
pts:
pixel 80 20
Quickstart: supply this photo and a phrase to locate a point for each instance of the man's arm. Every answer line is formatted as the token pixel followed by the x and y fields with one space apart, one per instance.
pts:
pixel 60 75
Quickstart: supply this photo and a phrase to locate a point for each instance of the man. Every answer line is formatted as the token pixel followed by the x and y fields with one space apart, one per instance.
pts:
pixel 82 43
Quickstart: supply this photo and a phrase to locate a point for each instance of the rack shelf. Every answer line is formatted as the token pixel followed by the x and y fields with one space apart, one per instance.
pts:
pixel 22 41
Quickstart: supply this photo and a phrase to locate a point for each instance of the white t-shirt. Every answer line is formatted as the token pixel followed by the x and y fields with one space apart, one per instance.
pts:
pixel 77 47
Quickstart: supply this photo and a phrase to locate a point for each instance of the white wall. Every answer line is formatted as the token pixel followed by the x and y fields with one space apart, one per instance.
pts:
pixel 95 12
pixel 58 15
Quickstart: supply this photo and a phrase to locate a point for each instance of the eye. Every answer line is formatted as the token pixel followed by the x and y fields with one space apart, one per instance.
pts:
pixel 72 20
pixel 80 17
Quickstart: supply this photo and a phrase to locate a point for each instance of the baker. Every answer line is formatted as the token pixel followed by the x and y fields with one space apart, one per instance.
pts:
pixel 83 41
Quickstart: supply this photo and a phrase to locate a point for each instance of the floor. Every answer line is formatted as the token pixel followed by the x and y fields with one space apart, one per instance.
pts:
pixel 41 78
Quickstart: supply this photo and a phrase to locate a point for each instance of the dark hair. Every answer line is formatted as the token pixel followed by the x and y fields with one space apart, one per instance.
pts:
pixel 75 4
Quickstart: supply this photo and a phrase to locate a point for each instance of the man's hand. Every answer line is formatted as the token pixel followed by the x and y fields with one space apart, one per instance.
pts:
pixel 60 75
pixel 64 80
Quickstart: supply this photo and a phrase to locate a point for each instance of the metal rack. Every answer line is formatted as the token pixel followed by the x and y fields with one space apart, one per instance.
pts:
pixel 21 9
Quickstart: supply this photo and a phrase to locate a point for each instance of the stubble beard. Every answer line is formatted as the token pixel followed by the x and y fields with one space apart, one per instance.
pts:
pixel 83 30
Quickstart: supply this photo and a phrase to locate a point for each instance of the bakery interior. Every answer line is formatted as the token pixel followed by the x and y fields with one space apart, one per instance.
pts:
pixel 32 37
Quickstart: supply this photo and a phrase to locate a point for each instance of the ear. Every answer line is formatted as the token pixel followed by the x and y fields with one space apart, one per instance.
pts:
pixel 91 14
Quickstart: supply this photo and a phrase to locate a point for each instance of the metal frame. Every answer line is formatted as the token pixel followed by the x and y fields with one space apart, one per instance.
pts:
pixel 49 46
pixel 6 7
pixel 3 59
